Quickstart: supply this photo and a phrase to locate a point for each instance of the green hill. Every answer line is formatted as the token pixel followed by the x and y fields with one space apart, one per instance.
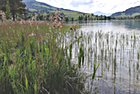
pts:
pixel 34 6
pixel 131 12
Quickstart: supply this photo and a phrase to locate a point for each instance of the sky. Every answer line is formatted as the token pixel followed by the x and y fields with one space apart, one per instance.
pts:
pixel 91 6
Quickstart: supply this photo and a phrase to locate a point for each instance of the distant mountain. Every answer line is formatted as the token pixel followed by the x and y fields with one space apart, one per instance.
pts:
pixel 38 7
pixel 101 13
pixel 133 11
pixel 33 6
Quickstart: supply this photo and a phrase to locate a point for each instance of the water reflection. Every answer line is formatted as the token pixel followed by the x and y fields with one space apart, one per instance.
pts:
pixel 111 25
pixel 117 45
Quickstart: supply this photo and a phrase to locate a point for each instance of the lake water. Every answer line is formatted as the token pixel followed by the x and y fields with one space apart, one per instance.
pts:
pixel 116 44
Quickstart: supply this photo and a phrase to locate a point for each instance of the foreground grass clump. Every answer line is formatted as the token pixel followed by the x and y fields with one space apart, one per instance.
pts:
pixel 33 61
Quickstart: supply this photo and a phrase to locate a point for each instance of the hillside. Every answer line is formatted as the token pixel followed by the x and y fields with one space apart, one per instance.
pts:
pixel 34 6
pixel 129 12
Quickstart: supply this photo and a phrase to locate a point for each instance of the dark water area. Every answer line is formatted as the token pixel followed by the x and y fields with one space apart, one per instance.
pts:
pixel 116 44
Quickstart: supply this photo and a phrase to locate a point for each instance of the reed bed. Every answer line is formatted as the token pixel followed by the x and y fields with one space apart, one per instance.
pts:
pixel 34 59
pixel 119 55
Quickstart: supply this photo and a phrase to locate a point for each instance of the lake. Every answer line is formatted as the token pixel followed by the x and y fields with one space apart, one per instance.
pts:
pixel 116 44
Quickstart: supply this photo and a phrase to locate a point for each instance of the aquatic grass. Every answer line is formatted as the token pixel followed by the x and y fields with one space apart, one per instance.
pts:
pixel 95 69
pixel 81 55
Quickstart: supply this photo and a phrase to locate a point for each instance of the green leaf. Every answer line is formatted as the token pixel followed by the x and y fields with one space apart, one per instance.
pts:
pixel 95 69
pixel 98 65
pixel 26 82
pixel 35 88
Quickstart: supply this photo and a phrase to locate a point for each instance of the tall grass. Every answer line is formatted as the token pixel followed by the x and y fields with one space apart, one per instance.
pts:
pixel 33 61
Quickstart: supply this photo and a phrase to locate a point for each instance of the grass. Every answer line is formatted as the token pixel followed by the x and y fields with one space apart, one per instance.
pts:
pixel 31 9
pixel 135 14
pixel 73 14
pixel 41 5
pixel 33 61
pixel 35 58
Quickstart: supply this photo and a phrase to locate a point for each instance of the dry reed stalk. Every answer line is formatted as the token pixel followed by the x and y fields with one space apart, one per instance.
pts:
pixel 35 15
pixel 51 18
pixel 63 22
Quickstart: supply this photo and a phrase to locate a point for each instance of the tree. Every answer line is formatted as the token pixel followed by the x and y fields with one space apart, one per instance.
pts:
pixel 72 19
pixel 85 17
pixel 17 7
pixel 3 4
pixel 92 14
pixel 79 18
pixel 66 19
pixel 104 17
pixel 47 16
pixel 7 13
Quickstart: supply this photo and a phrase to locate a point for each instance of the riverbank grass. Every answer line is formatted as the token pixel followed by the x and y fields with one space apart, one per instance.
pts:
pixel 33 61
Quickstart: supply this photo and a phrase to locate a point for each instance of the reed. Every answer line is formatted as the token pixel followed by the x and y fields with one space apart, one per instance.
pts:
pixel 95 69
pixel 33 62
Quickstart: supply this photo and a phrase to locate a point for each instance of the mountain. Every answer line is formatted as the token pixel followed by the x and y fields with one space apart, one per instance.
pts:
pixel 133 11
pixel 101 13
pixel 34 6
pixel 38 7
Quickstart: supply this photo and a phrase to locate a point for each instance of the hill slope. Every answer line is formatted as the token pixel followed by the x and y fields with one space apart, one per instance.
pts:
pixel 129 12
pixel 34 6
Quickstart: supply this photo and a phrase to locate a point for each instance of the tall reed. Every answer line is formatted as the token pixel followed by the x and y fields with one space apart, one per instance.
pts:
pixel 33 62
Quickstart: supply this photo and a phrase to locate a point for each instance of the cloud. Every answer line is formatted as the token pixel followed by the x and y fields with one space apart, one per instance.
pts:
pixel 77 3
pixel 91 6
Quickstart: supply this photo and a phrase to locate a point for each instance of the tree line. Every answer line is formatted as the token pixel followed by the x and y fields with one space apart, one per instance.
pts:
pixel 93 17
pixel 13 8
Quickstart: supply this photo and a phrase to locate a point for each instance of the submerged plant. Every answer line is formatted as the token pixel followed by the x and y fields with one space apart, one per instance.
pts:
pixel 95 69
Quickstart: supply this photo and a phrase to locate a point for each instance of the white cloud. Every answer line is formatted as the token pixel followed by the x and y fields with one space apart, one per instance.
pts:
pixel 83 7
pixel 91 6
pixel 87 0
pixel 111 6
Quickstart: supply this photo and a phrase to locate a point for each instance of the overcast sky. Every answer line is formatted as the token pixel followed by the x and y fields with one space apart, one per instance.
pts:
pixel 91 6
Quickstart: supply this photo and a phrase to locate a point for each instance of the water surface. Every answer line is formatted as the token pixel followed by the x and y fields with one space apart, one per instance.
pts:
pixel 116 44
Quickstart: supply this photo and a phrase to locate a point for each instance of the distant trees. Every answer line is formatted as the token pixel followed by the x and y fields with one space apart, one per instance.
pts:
pixel 80 18
pixel 137 17
pixel 85 18
pixel 66 19
pixel 40 17
pixel 72 19
pixel 17 7
pixel 92 14
pixel 93 17
pixel 47 16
